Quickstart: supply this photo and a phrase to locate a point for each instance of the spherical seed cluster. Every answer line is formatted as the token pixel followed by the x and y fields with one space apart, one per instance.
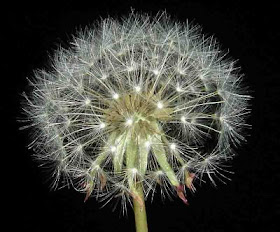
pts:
pixel 142 100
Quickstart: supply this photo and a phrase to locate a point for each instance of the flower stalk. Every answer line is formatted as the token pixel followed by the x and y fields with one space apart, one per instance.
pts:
pixel 140 210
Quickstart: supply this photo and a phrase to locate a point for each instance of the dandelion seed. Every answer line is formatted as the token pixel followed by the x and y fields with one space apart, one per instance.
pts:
pixel 116 96
pixel 131 68
pixel 102 125
pixel 159 105
pixel 137 89
pixel 147 144
pixel 156 72
pixel 129 122
pixel 79 148
pixel 180 71
pixel 104 76
pixel 183 119
pixel 173 146
pixel 113 149
pixel 134 171
pixel 179 89
pixel 68 122
pixel 87 102
pixel 159 173
pixel 95 166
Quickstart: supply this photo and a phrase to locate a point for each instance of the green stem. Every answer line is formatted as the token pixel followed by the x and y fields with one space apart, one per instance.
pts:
pixel 140 210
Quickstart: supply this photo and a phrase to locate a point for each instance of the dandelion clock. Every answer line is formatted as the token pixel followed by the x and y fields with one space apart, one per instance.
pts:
pixel 134 104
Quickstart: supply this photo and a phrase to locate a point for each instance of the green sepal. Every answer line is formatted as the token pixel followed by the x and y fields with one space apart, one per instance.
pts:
pixel 121 141
pixel 160 154
pixel 143 155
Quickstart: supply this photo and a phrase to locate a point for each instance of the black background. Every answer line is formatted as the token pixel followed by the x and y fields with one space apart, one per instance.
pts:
pixel 250 32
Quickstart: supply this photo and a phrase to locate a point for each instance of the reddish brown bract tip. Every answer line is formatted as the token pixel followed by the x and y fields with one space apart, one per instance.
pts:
pixel 181 194
pixel 189 181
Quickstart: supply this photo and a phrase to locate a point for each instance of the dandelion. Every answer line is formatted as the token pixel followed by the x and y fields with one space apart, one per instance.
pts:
pixel 137 103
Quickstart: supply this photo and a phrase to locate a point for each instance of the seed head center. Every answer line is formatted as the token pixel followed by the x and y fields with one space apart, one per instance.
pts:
pixel 136 111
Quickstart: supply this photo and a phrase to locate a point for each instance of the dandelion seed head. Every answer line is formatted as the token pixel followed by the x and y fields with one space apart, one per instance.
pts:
pixel 172 104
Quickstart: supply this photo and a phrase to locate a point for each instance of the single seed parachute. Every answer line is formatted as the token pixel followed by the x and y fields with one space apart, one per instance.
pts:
pixel 143 100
